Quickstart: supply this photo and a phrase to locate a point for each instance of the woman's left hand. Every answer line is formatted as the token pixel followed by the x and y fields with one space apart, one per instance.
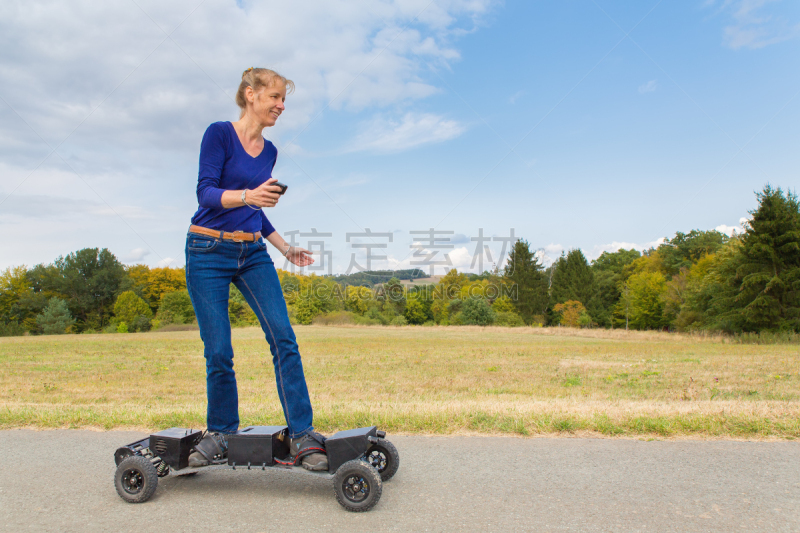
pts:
pixel 299 256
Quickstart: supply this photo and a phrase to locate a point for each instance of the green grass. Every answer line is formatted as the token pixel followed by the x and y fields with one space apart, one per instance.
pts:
pixel 456 380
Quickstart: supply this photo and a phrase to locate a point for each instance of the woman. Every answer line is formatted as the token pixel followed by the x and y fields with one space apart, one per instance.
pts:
pixel 224 246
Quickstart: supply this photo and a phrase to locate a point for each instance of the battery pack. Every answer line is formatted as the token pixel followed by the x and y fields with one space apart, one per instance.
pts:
pixel 174 444
pixel 257 446
pixel 346 445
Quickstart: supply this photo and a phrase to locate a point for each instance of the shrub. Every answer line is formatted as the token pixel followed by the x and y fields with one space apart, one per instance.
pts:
pixel 509 319
pixel 12 329
pixel 129 307
pixel 415 311
pixel 178 327
pixel 122 327
pixel 305 311
pixel 439 311
pixel 570 313
pixel 384 315
pixel 373 313
pixel 399 320
pixel 141 323
pixel 454 306
pixel 55 318
pixel 504 305
pixel 357 299
pixel 337 318
pixel 175 308
pixel 477 311
pixel 239 311
pixel 366 321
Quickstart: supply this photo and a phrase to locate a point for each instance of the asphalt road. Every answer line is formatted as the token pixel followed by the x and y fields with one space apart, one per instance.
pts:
pixel 63 481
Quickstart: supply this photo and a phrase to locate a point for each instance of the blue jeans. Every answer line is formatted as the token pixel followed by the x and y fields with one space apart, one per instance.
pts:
pixel 211 266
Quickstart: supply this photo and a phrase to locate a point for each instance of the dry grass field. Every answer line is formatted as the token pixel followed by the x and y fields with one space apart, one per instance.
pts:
pixel 522 381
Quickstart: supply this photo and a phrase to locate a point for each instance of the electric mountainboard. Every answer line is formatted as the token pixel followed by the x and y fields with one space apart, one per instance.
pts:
pixel 359 461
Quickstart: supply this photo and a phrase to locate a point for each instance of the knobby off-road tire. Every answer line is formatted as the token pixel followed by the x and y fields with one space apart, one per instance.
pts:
pixel 357 485
pixel 136 479
pixel 385 458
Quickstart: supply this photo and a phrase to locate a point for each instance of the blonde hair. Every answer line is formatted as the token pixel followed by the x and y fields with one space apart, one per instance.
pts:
pixel 258 78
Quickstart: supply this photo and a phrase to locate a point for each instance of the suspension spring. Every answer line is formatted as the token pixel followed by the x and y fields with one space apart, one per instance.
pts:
pixel 162 468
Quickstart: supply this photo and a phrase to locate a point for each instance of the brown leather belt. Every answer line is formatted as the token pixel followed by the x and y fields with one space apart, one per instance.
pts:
pixel 236 236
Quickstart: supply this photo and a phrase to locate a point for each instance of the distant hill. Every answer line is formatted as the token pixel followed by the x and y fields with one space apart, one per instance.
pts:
pixel 370 278
pixel 433 280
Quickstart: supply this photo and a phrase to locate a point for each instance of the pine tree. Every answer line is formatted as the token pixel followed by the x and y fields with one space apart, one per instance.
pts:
pixel 573 279
pixel 526 273
pixel 56 318
pixel 764 294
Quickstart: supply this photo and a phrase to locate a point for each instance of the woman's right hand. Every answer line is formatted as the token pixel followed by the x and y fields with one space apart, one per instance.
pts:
pixel 299 256
pixel 266 195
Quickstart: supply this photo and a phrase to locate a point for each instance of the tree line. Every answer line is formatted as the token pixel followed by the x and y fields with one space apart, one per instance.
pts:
pixel 701 280
pixel 698 281
pixel 91 291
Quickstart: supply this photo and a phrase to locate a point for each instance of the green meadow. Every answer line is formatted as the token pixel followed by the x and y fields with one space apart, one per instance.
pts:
pixel 419 380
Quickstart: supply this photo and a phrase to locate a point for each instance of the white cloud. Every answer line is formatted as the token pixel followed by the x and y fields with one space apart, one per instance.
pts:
pixel 548 254
pixel 615 246
pixel 167 262
pixel 461 258
pixel 729 230
pixel 755 23
pixel 413 129
pixel 127 108
pixel 141 91
pixel 393 263
pixel 136 255
pixel 352 55
pixel 734 230
pixel 648 87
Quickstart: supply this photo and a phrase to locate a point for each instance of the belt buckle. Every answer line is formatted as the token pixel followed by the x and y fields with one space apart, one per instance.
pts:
pixel 234 239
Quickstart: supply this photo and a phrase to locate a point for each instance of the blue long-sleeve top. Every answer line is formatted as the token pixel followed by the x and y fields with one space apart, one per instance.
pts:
pixel 224 166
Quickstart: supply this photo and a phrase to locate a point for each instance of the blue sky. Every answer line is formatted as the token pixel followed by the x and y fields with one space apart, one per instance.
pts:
pixel 579 124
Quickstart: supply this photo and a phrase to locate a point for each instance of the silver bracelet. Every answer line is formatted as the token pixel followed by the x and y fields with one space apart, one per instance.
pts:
pixel 287 249
pixel 244 201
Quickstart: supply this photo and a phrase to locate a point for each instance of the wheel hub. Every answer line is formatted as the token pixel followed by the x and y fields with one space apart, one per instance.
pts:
pixel 356 488
pixel 132 481
pixel 377 459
